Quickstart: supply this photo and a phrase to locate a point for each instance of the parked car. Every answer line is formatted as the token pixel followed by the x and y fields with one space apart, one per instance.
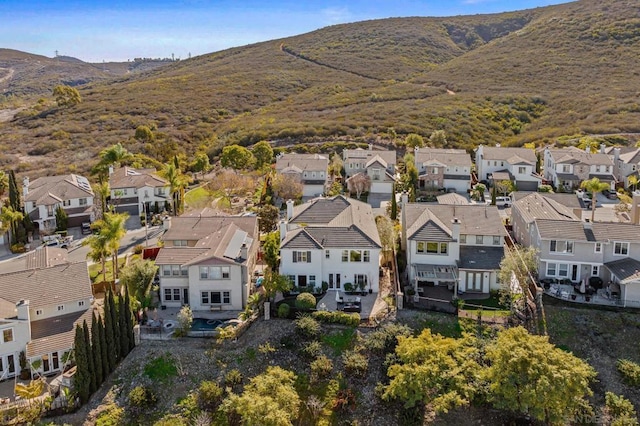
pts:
pixel 86 228
pixel 611 194
pixel 62 242
pixel 503 201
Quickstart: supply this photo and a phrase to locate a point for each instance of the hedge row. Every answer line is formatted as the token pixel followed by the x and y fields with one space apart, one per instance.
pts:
pixel 351 319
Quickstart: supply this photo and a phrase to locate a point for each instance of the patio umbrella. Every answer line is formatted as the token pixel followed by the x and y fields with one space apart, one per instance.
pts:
pixel 583 286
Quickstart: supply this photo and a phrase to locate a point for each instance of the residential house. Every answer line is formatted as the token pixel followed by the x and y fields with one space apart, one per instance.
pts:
pixel 135 191
pixel 525 210
pixel 517 165
pixel 207 261
pixel 566 199
pixel 309 169
pixel 626 162
pixel 568 167
pixel 44 195
pixel 443 168
pixel 459 247
pixel 42 298
pixel 333 240
pixel 380 166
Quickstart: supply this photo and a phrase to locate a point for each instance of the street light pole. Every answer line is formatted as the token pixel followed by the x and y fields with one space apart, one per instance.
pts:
pixel 146 224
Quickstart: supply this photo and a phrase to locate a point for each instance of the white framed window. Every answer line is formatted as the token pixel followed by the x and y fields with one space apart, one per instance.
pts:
pixel 38 311
pixel 355 255
pixel 312 280
pixel 432 247
pixel 561 246
pixel 292 279
pixel 60 308
pixel 359 279
pixel 172 294
pixel 215 272
pixel 463 239
pixel 345 255
pixel 620 248
pixel 595 270
pixel 179 243
pixel 327 254
pixel 215 297
pixel 421 247
pixel 7 335
pixel 479 239
pixel 166 270
pixel 301 256
pixel 366 256
pixel 563 270
pixel 83 201
pixel 81 303
pixel 597 248
pixel 66 203
pixel 496 240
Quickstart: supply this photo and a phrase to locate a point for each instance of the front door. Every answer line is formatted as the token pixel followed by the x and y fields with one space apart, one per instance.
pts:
pixel 302 281
pixel 331 285
pixel 574 273
pixel 185 296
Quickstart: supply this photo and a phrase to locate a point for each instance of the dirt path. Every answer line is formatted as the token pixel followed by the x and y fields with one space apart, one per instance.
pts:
pixel 10 72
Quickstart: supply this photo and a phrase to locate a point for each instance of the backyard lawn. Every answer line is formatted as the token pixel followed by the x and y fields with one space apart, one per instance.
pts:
pixel 198 197
pixel 95 270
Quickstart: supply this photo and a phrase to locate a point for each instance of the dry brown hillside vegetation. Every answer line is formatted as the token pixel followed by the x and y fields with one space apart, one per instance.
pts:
pixel 508 78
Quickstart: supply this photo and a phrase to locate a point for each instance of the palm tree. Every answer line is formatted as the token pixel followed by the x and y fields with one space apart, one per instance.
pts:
pixel 99 250
pixel 115 154
pixel 594 186
pixel 633 181
pixel 8 217
pixel 32 390
pixel 112 230
pixel 177 182
pixel 102 190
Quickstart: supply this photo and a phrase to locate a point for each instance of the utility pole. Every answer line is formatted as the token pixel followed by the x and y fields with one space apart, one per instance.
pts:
pixel 145 209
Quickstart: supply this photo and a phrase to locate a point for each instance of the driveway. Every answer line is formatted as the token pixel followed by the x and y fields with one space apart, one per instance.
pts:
pixel 375 199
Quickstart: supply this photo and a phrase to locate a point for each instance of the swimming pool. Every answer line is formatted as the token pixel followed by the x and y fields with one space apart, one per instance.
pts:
pixel 203 324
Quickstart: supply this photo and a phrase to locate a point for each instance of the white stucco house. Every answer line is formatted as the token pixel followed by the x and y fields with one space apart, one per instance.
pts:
pixel 568 167
pixel 207 261
pixel 312 170
pixel 135 190
pixel 42 298
pixel 44 195
pixel 443 168
pixel 517 165
pixel 333 240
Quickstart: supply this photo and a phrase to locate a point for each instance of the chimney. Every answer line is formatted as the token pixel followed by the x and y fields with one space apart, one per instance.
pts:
pixel 370 147
pixel 166 222
pixel 602 148
pixel 587 149
pixel 404 198
pixel 25 186
pixel 416 149
pixel 22 308
pixel 110 170
pixel 283 230
pixel 497 145
pixel 289 209
pixel 635 208
pixel 244 251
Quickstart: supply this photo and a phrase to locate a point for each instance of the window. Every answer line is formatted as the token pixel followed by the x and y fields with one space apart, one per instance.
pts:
pixel 172 294
pixel 598 248
pixel 496 240
pixel 166 270
pixel 215 272
pixel 345 255
pixel 38 311
pixel 443 248
pixel 432 247
pixel 327 254
pixel 435 170
pixel 597 169
pixel 81 303
pixel 420 247
pixel 160 191
pixel 292 279
pixel 366 256
pixel 83 201
pixel 360 279
pixel 301 256
pixel 566 168
pixel 355 256
pixel 522 170
pixel 180 243
pixel 479 239
pixel 463 239
pixel 312 280
pixel 7 335
pixel 595 270
pixel 60 307
pixel 563 270
pixel 621 248
pixel 375 174
pixel 561 246
pixel 215 297
pixel 125 191
pixel 204 272
pixel 66 203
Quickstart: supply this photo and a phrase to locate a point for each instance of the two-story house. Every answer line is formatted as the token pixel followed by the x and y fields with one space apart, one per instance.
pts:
pixel 333 240
pixel 456 246
pixel 136 191
pixel 309 169
pixel 443 168
pixel 379 165
pixel 626 162
pixel 515 164
pixel 207 261
pixel 41 301
pixel 568 167
pixel 44 195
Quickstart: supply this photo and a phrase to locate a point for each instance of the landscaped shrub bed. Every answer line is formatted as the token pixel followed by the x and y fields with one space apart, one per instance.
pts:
pixel 350 319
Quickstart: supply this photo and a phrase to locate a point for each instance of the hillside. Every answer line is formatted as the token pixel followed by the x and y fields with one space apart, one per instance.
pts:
pixel 510 78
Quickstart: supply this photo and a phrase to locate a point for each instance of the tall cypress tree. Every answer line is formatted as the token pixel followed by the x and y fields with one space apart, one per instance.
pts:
pixel 82 379
pixel 394 204
pixel 14 193
pixel 116 328
pixel 109 333
pixel 129 319
pixel 90 365
pixel 123 309
pixel 104 353
pixel 96 351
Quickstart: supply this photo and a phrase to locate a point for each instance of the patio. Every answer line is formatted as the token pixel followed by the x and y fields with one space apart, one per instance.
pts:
pixel 604 296
pixel 367 303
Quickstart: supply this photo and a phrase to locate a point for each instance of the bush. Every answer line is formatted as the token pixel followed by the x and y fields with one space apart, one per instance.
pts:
pixel 312 349
pixel 348 287
pixel 355 363
pixel 630 372
pixel 305 301
pixel 141 397
pixel 138 249
pixel 18 248
pixel 385 338
pixel 321 368
pixel 344 318
pixel 284 310
pixel 344 399
pixel 325 286
pixel 233 377
pixel 621 410
pixel 307 326
pixel 112 416
pixel 209 395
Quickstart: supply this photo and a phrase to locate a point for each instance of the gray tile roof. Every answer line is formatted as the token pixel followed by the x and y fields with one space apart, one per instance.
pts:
pixel 565 230
pixel 474 219
pixel 480 258
pixel 452 198
pixel 301 162
pixel 538 206
pixel 128 177
pixel 573 155
pixel 509 154
pixel 602 176
pixel 627 270
pixel 566 199
pixel 616 231
pixel 631 157
pixel 445 157
pixel 56 334
pixel 64 283
pixel 389 157
pixel 55 189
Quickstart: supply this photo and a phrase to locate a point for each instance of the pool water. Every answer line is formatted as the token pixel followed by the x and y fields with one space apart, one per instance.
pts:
pixel 203 324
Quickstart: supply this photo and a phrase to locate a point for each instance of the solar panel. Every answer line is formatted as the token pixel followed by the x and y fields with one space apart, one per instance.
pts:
pixel 233 248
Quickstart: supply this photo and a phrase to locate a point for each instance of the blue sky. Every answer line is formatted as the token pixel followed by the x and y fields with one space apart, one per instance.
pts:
pixel 120 30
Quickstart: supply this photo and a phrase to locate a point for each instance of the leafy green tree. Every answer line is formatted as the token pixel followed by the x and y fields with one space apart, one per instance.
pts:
pixel 268 217
pixel 102 191
pixel 414 140
pixel 137 277
pixel 129 320
pixel 335 189
pixel 271 249
pixel 110 231
pixel 104 352
pixel 545 188
pixel 336 165
pixel 520 263
pixel 236 157
pixel 437 370
pixel 410 176
pixel 633 181
pixel 14 194
pixel 185 319
pixel 270 399
pixel 93 385
pixel 200 163
pixel 505 187
pixel 144 134
pixel 96 351
pixel 8 220
pixel 394 204
pixel 529 375
pixel 588 144
pixel 263 154
pixel 62 219
pixel 477 193
pixel 438 139
pixel 286 186
pixel 82 378
pixel 98 249
pixel 66 96
pixel 274 283
pixel 387 235
pixel 594 186
pixel 620 410
pixel 177 183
